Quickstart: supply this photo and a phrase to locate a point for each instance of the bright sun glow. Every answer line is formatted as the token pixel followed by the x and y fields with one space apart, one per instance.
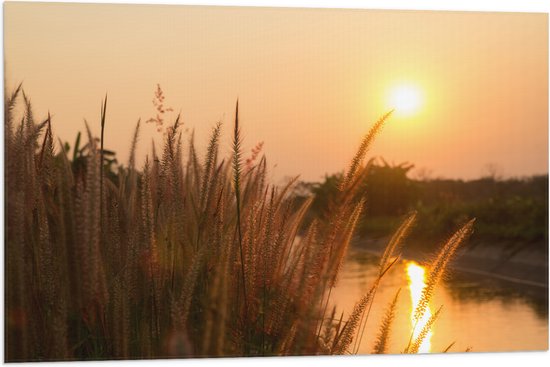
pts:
pixel 417 283
pixel 406 99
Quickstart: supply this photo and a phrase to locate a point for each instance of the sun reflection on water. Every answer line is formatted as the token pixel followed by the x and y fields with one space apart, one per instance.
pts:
pixel 416 275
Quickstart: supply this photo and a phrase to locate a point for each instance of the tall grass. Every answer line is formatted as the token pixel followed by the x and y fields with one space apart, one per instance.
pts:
pixel 193 258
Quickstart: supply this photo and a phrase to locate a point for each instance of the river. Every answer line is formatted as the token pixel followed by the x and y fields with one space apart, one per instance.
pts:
pixel 478 314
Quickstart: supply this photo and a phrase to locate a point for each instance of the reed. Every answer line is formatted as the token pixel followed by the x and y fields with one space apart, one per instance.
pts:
pixel 415 346
pixel 178 258
pixel 390 255
pixel 382 341
pixel 440 264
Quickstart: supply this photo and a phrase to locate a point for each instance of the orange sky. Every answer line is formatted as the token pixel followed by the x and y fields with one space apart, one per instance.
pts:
pixel 310 81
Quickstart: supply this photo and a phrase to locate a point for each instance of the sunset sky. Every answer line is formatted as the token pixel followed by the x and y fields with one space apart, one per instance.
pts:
pixel 310 82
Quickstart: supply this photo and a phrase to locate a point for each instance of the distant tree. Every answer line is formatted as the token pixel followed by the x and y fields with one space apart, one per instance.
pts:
pixel 389 190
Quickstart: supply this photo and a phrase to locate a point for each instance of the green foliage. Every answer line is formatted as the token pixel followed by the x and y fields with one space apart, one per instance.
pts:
pixel 511 212
pixel 388 191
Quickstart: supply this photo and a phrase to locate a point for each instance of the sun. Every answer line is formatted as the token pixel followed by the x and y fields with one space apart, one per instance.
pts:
pixel 406 99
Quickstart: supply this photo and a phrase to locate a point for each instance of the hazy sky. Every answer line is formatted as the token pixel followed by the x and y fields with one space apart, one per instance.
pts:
pixel 310 81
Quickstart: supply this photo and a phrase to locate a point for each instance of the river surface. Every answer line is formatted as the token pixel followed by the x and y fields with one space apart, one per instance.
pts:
pixel 481 315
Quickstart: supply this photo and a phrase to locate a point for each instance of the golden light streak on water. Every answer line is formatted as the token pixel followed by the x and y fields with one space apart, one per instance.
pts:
pixel 416 274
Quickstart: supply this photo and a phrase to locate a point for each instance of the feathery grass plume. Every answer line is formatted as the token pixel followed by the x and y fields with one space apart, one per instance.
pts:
pixel 301 261
pixel 101 162
pixel 254 286
pixel 355 188
pixel 279 277
pixel 208 190
pixel 216 309
pixel 31 133
pixel 293 230
pixel 381 345
pixel 28 114
pixel 67 235
pixel 184 301
pixel 251 239
pixel 254 154
pixel 49 274
pixel 261 173
pixel 439 266
pixel 396 241
pixel 324 261
pixel 362 151
pixel 365 317
pixel 148 254
pixel 61 231
pixel 385 264
pixel 211 206
pixel 267 235
pixel 9 105
pixel 330 242
pixel 11 101
pixel 19 338
pixel 341 344
pixel 119 349
pixel 133 147
pixel 223 303
pixel 347 235
pixel 169 168
pixel 20 332
pixel 95 292
pixel 130 187
pixel 282 233
pixel 415 346
pixel 209 165
pixel 237 188
pixel 46 161
pixel 193 165
pixel 47 142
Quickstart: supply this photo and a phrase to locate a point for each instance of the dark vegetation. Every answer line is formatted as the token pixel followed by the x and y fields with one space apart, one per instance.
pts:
pixel 179 258
pixel 510 213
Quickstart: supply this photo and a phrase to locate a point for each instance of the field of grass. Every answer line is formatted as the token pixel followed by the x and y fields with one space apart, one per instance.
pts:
pixel 177 258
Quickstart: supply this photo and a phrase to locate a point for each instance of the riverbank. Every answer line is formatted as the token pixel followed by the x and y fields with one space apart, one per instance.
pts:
pixel 484 261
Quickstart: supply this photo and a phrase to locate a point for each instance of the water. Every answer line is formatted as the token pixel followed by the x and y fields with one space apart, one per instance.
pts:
pixel 483 315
